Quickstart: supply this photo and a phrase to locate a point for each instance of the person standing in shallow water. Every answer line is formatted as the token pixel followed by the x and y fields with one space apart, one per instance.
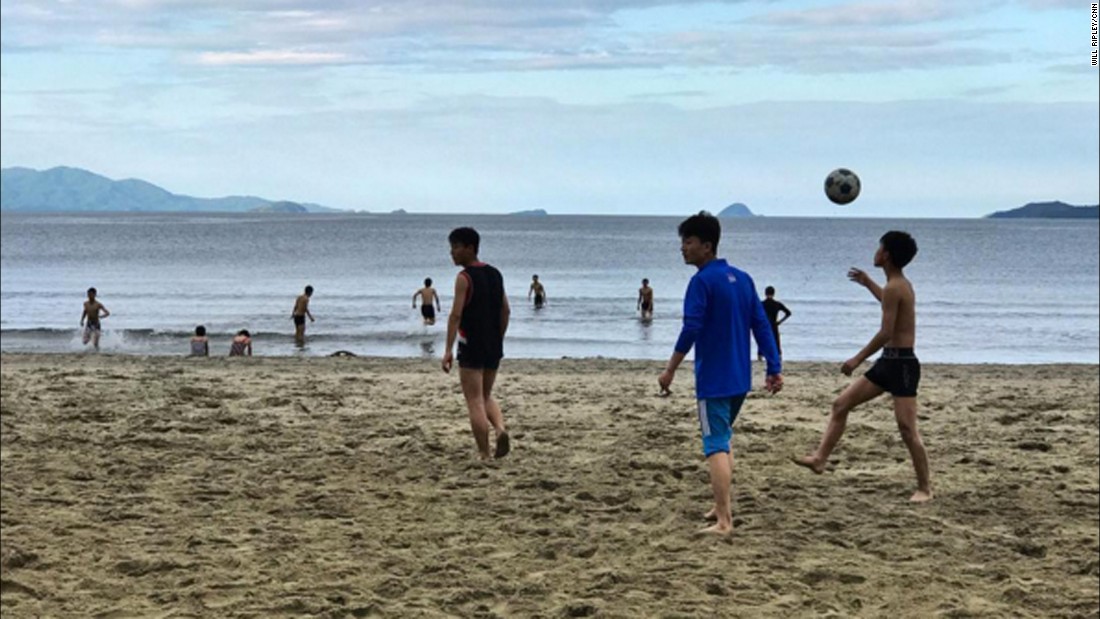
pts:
pixel 478 322
pixel 645 300
pixel 299 314
pixel 721 310
pixel 772 308
pixel 538 291
pixel 897 371
pixel 429 302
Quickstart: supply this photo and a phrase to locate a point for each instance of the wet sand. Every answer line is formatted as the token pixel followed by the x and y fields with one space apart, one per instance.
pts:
pixel 349 487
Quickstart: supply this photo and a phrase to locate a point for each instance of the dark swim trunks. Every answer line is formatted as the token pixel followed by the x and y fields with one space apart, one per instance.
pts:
pixel 472 359
pixel 646 306
pixel 897 372
pixel 539 300
pixel 93 326
pixel 299 320
pixel 427 311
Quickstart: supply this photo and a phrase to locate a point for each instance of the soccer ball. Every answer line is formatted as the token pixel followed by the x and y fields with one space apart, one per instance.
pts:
pixel 842 186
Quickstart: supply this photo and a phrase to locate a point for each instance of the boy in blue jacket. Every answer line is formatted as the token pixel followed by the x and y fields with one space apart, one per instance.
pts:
pixel 721 309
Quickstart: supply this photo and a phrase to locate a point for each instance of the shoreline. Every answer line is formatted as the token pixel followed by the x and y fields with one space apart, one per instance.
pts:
pixel 147 486
pixel 421 359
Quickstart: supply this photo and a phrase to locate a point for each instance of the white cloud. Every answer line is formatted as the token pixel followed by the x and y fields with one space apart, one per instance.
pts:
pixel 270 57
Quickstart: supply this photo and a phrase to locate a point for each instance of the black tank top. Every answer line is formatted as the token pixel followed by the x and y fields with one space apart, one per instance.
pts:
pixel 480 324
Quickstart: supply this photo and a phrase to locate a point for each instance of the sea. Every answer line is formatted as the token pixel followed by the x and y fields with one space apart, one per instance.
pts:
pixel 988 290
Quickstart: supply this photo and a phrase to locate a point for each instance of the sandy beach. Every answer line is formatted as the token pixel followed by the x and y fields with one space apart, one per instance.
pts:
pixel 349 487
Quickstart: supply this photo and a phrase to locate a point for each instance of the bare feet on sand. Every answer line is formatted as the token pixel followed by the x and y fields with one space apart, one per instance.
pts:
pixel 504 445
pixel 811 463
pixel 712 514
pixel 921 496
pixel 716 529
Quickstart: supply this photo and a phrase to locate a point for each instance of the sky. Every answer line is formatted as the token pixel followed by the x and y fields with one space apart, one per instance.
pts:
pixel 944 108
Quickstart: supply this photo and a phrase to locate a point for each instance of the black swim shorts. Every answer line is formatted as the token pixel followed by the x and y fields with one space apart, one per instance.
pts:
pixel 427 311
pixel 472 358
pixel 299 320
pixel 897 371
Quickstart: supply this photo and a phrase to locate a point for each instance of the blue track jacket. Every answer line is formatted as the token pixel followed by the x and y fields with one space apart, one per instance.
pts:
pixel 721 307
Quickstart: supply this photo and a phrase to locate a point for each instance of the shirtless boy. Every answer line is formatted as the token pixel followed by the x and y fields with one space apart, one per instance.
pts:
pixel 299 314
pixel 429 302
pixel 538 290
pixel 645 300
pixel 94 311
pixel 897 371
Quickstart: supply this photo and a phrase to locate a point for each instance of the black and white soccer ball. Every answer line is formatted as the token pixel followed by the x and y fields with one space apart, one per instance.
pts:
pixel 842 186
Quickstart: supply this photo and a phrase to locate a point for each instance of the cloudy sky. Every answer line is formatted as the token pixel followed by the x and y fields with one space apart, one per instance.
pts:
pixel 944 108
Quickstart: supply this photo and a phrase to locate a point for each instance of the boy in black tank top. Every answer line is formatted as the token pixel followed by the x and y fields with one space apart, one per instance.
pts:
pixel 478 321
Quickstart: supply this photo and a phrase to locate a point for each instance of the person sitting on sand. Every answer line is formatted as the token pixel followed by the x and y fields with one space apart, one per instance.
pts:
pixel 896 371
pixel 721 309
pixel 428 297
pixel 200 344
pixel 479 324
pixel 94 311
pixel 242 344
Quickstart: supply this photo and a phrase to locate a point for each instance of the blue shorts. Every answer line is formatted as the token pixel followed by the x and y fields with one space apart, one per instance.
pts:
pixel 716 417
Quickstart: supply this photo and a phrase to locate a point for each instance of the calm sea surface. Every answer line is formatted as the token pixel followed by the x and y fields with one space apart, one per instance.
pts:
pixel 988 291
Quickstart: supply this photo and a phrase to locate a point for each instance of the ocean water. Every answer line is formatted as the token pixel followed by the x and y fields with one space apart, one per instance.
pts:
pixel 988 291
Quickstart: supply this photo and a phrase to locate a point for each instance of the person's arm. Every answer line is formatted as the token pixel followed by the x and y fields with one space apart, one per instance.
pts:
pixel 415 294
pixel 505 314
pixel 695 307
pixel 103 308
pixel 206 348
pixel 891 300
pixel 83 314
pixel 438 305
pixel 786 314
pixel 454 319
pixel 248 347
pixel 863 279
pixel 530 291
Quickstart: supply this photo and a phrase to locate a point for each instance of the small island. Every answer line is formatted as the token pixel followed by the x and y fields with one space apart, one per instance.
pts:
pixel 1048 210
pixel 736 209
pixel 538 212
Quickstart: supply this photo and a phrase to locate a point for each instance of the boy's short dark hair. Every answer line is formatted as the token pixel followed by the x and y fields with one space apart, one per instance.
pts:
pixel 465 236
pixel 900 246
pixel 309 290
pixel 244 332
pixel 645 281
pixel 704 227
pixel 92 291
pixel 427 281
pixel 770 290
pixel 200 330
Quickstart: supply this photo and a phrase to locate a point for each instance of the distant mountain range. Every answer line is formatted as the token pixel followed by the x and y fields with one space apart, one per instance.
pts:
pixel 74 189
pixel 1049 210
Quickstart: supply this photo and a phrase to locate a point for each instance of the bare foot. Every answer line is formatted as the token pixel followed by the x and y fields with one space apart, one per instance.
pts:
pixel 811 463
pixel 712 514
pixel 504 445
pixel 921 496
pixel 717 529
